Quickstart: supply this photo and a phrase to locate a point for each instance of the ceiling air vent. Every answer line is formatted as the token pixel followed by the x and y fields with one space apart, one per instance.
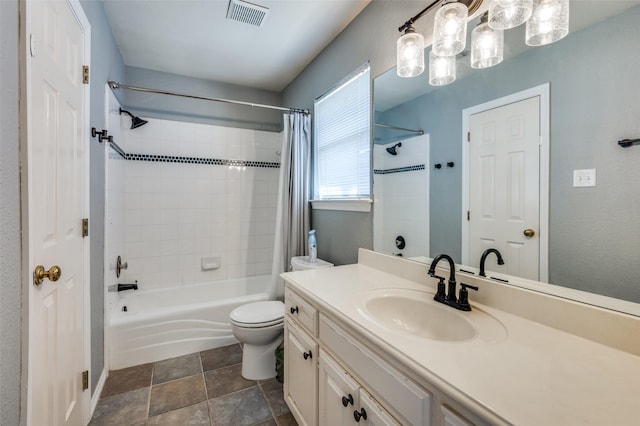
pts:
pixel 247 13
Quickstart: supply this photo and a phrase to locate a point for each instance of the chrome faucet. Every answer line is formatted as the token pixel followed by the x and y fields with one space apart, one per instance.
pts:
pixel 449 298
pixel 484 257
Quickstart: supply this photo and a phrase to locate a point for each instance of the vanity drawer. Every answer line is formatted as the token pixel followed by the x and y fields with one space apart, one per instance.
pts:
pixel 402 397
pixel 300 310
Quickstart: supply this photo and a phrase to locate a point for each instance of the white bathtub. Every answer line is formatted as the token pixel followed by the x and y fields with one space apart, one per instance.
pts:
pixel 169 322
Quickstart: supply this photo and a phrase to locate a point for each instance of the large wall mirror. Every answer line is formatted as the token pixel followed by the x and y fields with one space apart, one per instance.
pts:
pixel 593 82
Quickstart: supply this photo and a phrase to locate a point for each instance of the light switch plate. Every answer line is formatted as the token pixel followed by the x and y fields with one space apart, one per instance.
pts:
pixel 585 177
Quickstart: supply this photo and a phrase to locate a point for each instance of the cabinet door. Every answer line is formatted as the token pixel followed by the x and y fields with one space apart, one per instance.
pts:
pixel 451 418
pixel 338 393
pixel 301 374
pixel 374 413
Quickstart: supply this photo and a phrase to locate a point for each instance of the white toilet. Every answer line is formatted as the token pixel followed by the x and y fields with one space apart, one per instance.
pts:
pixel 300 263
pixel 259 327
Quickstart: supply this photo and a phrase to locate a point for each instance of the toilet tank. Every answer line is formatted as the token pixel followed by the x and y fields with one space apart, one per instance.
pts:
pixel 300 263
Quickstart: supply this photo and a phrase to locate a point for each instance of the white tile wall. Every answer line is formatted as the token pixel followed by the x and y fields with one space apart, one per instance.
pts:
pixel 401 200
pixel 173 213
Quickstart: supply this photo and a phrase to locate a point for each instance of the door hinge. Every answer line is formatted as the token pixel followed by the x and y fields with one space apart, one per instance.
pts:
pixel 85 380
pixel 85 228
pixel 468 136
pixel 468 215
pixel 85 74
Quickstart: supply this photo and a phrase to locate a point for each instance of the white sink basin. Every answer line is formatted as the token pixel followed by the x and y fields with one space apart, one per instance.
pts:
pixel 415 313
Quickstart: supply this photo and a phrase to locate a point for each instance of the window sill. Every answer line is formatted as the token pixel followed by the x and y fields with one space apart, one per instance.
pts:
pixel 360 205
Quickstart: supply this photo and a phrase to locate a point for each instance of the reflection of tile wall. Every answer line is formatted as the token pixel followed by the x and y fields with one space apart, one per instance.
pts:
pixel 175 213
pixel 401 197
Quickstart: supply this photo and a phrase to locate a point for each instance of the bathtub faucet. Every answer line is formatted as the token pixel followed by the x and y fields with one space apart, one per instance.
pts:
pixel 123 287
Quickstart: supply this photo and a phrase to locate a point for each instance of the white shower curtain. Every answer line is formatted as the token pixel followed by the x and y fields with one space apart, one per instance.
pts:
pixel 292 217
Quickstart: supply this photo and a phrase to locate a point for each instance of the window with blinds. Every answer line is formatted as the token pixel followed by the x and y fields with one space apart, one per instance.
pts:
pixel 342 142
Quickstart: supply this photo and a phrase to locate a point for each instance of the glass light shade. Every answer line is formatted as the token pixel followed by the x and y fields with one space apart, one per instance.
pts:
pixel 548 23
pixel 505 14
pixel 487 46
pixel 450 29
pixel 410 55
pixel 442 69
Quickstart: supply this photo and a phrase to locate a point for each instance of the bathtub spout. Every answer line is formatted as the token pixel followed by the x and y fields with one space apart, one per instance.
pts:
pixel 123 287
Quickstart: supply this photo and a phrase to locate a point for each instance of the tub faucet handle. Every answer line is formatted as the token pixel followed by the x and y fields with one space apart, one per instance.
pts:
pixel 120 266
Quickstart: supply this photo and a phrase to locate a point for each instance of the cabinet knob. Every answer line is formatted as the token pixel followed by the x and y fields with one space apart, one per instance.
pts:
pixel 360 414
pixel 347 400
pixel 294 310
pixel 307 355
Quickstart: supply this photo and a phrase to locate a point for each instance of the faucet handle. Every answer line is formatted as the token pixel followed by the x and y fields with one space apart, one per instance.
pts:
pixel 441 293
pixel 463 298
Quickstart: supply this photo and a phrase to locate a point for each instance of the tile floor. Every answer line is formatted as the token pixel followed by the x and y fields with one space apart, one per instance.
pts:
pixel 204 388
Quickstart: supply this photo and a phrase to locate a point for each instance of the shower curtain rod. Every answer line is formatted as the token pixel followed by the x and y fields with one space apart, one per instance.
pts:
pixel 114 85
pixel 388 126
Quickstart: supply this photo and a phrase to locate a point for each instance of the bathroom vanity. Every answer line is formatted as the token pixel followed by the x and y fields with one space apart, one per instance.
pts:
pixel 366 344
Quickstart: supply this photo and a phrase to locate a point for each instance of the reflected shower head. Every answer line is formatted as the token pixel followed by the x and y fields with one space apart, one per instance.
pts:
pixel 135 121
pixel 393 149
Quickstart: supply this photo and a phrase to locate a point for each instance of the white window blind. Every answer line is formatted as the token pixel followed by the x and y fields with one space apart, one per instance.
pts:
pixel 343 140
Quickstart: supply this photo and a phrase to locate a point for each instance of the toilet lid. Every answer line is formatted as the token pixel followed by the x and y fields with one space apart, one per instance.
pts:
pixel 258 313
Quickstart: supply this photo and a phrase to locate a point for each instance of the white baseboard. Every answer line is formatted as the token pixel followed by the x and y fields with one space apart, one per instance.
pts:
pixel 96 395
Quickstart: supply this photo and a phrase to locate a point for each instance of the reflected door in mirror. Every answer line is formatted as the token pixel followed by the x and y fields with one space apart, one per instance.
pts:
pixel 504 185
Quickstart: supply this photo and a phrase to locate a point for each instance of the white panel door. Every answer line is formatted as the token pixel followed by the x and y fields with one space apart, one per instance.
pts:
pixel 56 188
pixel 504 188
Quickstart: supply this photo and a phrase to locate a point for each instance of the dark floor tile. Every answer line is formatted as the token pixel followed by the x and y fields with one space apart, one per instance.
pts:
pixel 129 408
pixel 176 368
pixel 127 379
pixel 221 357
pixel 243 408
pixel 274 394
pixel 176 394
pixel 286 420
pixel 225 380
pixel 197 414
pixel 270 422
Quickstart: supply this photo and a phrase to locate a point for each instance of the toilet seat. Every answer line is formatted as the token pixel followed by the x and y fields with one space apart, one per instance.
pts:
pixel 258 314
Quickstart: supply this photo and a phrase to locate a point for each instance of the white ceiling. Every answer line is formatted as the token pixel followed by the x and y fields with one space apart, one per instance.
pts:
pixel 193 37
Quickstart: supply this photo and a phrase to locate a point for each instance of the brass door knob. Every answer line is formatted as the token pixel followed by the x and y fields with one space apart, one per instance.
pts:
pixel 529 233
pixel 39 274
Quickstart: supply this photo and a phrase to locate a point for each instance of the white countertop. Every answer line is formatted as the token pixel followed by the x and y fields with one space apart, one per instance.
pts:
pixel 535 375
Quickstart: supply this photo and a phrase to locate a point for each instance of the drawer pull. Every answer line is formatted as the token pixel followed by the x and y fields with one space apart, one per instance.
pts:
pixel 346 401
pixel 294 310
pixel 358 414
pixel 307 355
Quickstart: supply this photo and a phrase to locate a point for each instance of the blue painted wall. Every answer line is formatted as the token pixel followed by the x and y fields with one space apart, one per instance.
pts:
pixel 10 258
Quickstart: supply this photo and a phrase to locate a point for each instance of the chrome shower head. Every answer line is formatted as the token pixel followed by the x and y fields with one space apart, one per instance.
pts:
pixel 135 121
pixel 393 149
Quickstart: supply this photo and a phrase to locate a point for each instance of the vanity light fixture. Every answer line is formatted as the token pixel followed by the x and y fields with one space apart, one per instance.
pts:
pixel 505 14
pixel 487 44
pixel 442 69
pixel 450 29
pixel 410 53
pixel 547 22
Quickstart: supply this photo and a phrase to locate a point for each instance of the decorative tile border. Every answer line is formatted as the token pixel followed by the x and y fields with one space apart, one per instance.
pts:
pixel 192 160
pixel 399 169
